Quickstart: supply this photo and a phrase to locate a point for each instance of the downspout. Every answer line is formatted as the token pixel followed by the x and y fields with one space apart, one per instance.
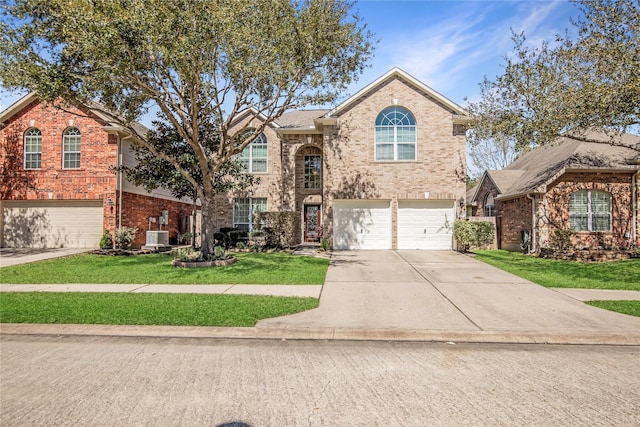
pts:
pixel 534 233
pixel 634 205
pixel 120 177
pixel 119 169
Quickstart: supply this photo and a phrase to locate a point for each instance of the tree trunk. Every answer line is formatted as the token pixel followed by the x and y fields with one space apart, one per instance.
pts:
pixel 208 228
pixel 194 215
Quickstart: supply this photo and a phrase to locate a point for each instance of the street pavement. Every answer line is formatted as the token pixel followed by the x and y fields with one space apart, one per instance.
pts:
pixel 58 380
pixel 399 295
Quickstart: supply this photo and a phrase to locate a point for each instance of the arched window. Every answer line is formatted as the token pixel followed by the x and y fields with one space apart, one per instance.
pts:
pixel 254 157
pixel 590 210
pixel 395 134
pixel 33 149
pixel 71 149
pixel 488 205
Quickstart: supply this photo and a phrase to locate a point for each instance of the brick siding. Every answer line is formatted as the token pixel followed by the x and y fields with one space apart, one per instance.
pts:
pixel 94 180
pixel 137 208
pixel 556 208
pixel 352 172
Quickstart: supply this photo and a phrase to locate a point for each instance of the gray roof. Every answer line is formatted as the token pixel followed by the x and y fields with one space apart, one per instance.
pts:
pixel 300 118
pixel 533 171
pixel 505 179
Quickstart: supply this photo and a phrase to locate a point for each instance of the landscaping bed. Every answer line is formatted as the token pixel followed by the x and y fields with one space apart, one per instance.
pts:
pixel 589 255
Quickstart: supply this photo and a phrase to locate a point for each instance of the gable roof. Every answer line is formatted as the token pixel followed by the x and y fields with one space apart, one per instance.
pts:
pixel 502 180
pixel 112 123
pixel 533 171
pixel 460 115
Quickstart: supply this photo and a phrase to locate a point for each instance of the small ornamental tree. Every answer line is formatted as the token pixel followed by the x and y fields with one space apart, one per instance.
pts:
pixel 213 64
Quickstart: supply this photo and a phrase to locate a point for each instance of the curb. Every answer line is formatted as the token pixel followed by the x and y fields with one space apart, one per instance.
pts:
pixel 337 334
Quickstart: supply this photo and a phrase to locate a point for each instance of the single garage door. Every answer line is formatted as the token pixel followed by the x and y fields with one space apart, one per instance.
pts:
pixel 52 224
pixel 425 224
pixel 361 224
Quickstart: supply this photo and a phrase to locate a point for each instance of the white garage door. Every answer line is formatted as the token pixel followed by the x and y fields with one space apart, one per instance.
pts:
pixel 52 224
pixel 361 224
pixel 425 224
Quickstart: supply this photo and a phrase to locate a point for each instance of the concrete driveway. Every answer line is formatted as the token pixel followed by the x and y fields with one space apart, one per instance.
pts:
pixel 14 256
pixel 446 291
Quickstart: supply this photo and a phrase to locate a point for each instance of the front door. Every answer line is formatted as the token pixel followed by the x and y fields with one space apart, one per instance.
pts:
pixel 311 222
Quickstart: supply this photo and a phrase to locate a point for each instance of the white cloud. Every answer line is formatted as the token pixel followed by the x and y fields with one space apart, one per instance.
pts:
pixel 455 54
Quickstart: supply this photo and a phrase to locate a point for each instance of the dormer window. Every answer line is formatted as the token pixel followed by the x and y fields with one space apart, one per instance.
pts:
pixel 395 135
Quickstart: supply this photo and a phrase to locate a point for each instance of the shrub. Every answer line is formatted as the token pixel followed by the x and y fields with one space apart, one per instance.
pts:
pixel 221 238
pixel 561 239
pixel 186 255
pixel 279 228
pixel 185 238
pixel 124 237
pixel 473 233
pixel 325 244
pixel 219 252
pixel 236 236
pixel 106 241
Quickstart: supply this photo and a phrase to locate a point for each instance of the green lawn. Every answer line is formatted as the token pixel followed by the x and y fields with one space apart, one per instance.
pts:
pixel 626 307
pixel 251 268
pixel 620 275
pixel 566 274
pixel 146 309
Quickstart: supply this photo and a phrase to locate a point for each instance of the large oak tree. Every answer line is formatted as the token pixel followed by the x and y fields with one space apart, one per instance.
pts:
pixel 587 78
pixel 196 61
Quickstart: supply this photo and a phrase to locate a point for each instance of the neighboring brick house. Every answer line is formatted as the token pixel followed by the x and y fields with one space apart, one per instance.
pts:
pixel 59 185
pixel 383 170
pixel 589 188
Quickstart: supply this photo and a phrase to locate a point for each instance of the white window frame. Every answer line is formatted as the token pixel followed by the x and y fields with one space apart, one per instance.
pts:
pixel 253 205
pixel 590 212
pixel 248 157
pixel 489 209
pixel 30 156
pixel 68 137
pixel 316 182
pixel 395 125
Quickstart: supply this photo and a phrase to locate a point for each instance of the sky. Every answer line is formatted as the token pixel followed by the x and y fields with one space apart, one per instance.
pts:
pixel 448 45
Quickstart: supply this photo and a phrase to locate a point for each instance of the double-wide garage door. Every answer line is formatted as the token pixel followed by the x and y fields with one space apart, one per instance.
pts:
pixel 367 224
pixel 51 224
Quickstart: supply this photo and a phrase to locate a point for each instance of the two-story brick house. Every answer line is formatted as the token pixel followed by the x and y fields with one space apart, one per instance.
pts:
pixel 385 169
pixel 588 188
pixel 60 187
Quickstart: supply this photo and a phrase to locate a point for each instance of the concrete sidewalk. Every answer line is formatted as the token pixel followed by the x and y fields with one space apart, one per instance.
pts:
pixel 399 295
